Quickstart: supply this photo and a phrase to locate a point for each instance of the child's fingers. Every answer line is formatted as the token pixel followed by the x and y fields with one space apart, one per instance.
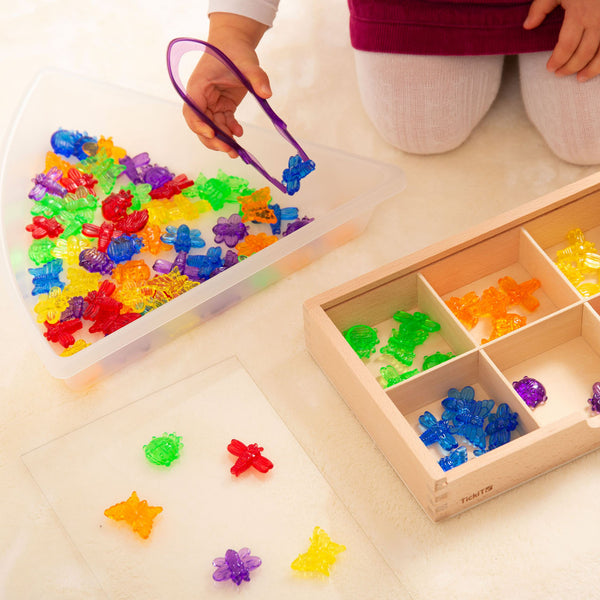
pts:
pixel 590 70
pixel 232 124
pixel 538 11
pixel 569 38
pixel 584 53
pixel 216 144
pixel 196 124
pixel 206 134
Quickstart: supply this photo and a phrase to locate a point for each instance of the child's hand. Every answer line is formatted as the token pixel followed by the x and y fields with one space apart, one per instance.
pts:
pixel 578 46
pixel 215 89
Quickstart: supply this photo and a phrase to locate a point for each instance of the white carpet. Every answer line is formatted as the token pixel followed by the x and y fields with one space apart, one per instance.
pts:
pixel 537 541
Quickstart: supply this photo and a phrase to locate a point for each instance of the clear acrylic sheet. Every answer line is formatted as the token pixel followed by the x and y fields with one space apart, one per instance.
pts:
pixel 206 510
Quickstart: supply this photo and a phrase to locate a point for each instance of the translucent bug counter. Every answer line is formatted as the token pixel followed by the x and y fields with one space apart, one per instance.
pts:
pixel 557 344
pixel 340 196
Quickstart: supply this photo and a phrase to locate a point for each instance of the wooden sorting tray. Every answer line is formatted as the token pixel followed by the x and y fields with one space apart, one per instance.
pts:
pixel 559 346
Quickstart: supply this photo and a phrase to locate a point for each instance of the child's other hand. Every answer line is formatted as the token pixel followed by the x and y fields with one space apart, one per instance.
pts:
pixel 578 46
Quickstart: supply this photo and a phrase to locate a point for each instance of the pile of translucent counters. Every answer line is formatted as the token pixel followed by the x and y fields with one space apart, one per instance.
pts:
pixel 115 236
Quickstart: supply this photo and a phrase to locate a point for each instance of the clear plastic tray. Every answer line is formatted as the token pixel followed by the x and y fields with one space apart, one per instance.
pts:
pixel 341 195
pixel 206 509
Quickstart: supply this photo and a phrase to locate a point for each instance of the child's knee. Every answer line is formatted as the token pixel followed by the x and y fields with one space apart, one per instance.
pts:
pixel 579 145
pixel 563 110
pixel 428 139
pixel 426 104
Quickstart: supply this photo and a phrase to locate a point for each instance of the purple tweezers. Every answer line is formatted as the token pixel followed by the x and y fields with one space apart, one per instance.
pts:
pixel 180 46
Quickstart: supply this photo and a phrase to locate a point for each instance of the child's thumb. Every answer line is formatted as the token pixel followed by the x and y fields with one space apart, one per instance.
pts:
pixel 259 81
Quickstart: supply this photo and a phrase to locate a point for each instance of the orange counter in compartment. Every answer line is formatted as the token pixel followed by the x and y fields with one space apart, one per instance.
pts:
pixel 559 346
pixel 483 266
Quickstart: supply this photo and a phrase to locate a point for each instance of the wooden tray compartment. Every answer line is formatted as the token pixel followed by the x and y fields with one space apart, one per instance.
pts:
pixel 512 253
pixel 410 293
pixel 417 395
pixel 563 352
pixel 549 230
pixel 560 346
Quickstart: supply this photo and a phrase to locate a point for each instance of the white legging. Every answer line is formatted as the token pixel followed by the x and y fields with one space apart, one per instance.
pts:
pixel 431 104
